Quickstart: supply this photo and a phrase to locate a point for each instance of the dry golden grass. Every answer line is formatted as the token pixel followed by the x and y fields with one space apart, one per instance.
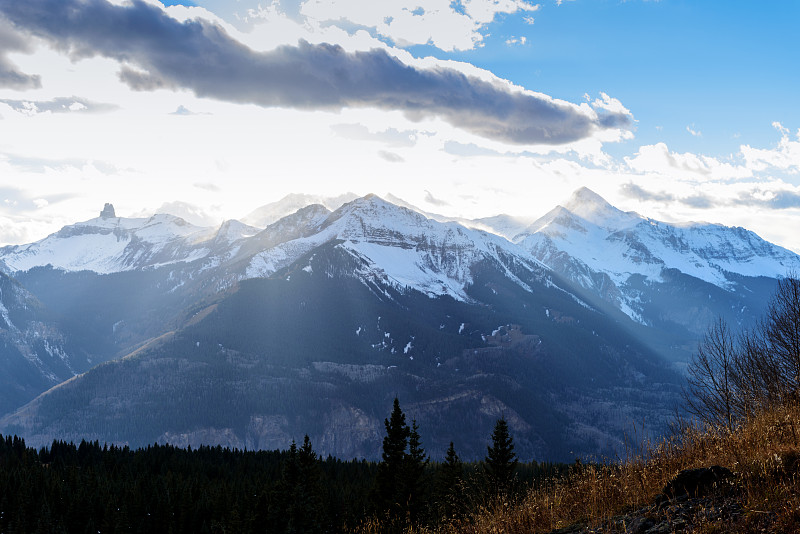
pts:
pixel 764 453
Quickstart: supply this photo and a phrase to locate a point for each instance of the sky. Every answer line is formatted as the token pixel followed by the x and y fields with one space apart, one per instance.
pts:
pixel 678 110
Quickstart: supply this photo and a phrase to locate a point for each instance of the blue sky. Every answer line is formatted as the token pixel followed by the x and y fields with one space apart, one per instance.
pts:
pixel 729 68
pixel 678 110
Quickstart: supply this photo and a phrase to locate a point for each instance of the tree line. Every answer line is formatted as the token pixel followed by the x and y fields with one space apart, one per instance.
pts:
pixel 89 487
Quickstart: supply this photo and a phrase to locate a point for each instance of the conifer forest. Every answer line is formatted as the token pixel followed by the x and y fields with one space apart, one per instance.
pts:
pixel 97 488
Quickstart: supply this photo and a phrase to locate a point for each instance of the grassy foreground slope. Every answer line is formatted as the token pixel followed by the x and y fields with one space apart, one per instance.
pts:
pixel 763 495
pixel 737 469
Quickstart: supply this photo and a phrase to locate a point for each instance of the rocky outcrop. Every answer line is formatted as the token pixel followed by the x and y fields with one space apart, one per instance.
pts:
pixel 108 212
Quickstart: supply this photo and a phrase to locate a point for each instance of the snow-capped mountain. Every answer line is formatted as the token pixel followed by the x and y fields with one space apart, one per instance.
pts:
pixel 396 244
pixel 401 247
pixel 118 282
pixel 624 258
pixel 622 244
pixel 614 255
pixel 380 302
pixel 374 299
pixel 108 244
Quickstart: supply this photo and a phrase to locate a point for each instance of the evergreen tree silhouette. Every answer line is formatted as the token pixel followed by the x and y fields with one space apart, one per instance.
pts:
pixel 501 460
pixel 390 483
pixel 449 486
pixel 416 463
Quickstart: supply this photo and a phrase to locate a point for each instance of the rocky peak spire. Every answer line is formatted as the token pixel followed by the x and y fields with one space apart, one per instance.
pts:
pixel 108 211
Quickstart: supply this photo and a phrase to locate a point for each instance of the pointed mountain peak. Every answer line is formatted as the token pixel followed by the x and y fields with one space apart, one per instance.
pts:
pixel 379 206
pixel 586 197
pixel 366 214
pixel 371 201
pixel 593 208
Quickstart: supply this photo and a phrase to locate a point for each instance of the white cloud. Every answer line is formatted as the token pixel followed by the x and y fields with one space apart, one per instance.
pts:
pixel 784 157
pixel 660 160
pixel 407 23
pixel 691 130
pixel 210 62
pixel 230 158
pixel 609 104
pixel 516 41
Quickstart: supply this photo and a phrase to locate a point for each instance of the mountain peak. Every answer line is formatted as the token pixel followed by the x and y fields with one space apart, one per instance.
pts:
pixel 108 212
pixel 584 196
pixel 593 208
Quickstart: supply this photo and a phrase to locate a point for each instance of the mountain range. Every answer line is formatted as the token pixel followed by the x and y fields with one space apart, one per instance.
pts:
pixel 315 315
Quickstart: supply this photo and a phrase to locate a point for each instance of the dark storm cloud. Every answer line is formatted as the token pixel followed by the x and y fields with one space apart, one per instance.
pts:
pixel 59 105
pixel 11 41
pixel 160 52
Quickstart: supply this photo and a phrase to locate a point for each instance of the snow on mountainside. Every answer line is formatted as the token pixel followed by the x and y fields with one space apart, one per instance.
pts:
pixel 604 249
pixel 621 244
pixel 394 244
pixel 400 246
pixel 233 230
pixel 590 242
pixel 109 244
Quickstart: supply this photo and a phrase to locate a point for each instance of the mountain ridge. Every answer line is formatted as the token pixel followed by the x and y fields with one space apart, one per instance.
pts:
pixel 373 298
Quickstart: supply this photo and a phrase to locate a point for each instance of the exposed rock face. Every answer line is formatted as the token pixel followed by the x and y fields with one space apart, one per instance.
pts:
pixel 108 212
pixel 349 432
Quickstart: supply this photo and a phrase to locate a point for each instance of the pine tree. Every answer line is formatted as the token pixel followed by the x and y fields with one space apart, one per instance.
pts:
pixel 281 505
pixel 501 460
pixel 390 494
pixel 298 501
pixel 416 462
pixel 449 486
pixel 308 492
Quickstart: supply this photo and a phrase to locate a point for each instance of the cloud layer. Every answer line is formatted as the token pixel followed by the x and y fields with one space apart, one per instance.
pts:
pixel 157 51
pixel 57 105
pixel 11 41
pixel 446 24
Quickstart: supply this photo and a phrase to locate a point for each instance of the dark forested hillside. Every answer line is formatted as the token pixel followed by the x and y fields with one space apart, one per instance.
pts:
pixel 317 350
pixel 164 489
